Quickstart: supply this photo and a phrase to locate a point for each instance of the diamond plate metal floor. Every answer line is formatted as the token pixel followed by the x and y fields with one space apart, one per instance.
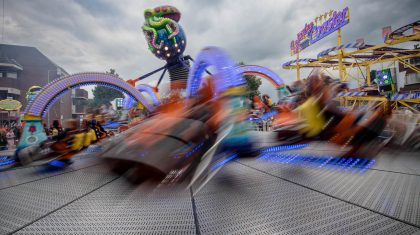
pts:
pixel 246 197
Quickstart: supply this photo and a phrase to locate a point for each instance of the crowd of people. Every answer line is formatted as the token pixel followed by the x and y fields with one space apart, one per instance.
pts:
pixel 321 86
pixel 74 136
pixel 9 137
pixel 91 122
pixel 313 112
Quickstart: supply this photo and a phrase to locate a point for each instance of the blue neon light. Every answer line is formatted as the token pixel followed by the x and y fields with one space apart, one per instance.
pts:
pixel 324 163
pixel 7 162
pixel 264 117
pixel 346 163
pixel 352 165
pixel 312 32
pixel 223 162
pixel 369 165
pixel 226 75
pixel 189 154
pixel 304 160
pixel 2 158
pixel 284 147
pixel 360 165
pixel 56 163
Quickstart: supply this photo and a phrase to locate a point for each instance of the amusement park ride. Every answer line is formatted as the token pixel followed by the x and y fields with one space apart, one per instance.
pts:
pixel 298 180
pixel 167 41
pixel 360 56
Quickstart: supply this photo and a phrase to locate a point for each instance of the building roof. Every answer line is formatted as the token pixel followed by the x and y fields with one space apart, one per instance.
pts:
pixel 24 56
pixel 6 62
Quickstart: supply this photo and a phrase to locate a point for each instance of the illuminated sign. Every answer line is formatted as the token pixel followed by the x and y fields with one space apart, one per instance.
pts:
pixel 10 105
pixel 119 102
pixel 383 78
pixel 312 32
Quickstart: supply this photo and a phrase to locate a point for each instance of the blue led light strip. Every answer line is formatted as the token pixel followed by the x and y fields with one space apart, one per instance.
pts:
pixel 7 162
pixel 337 163
pixel 284 147
pixel 2 158
pixel 223 162
pixel 56 163
pixel 265 116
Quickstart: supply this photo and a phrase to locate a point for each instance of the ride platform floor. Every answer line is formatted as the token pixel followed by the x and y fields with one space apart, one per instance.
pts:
pixel 248 196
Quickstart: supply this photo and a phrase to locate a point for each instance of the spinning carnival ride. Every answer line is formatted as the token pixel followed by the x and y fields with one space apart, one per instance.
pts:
pixel 167 41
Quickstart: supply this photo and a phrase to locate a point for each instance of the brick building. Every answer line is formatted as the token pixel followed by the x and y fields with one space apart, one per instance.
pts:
pixel 412 78
pixel 22 67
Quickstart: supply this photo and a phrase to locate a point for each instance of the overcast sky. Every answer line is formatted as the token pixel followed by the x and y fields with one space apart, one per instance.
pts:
pixel 91 35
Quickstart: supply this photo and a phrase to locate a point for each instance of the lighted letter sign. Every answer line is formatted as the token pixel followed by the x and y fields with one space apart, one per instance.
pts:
pixel 312 33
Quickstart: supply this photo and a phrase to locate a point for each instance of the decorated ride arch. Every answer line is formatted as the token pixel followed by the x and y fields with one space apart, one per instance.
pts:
pixel 33 131
pixel 267 74
pixel 55 89
pixel 225 76
pixel 227 73
pixel 129 102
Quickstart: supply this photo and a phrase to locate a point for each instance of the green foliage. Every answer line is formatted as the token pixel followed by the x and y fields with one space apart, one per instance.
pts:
pixel 253 83
pixel 104 95
pixel 87 103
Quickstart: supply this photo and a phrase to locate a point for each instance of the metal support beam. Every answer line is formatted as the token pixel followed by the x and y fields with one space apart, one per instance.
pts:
pixel 409 65
pixel 149 74
pixel 340 57
pixel 408 106
pixel 297 67
pixel 161 77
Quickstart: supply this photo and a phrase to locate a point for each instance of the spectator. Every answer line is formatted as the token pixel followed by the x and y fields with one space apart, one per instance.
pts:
pixel 47 132
pixel 18 132
pixel 56 129
pixel 258 104
pixel 267 101
pixel 3 141
pixel 10 136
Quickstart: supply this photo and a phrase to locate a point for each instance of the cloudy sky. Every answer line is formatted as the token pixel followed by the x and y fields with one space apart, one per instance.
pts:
pixel 95 35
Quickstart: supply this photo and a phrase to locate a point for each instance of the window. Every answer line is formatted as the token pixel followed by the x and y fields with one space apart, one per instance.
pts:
pixel 415 61
pixel 3 94
pixel 11 75
pixel 8 74
pixel 407 61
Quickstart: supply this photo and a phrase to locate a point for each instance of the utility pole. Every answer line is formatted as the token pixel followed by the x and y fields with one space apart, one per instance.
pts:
pixel 48 115
pixel 2 26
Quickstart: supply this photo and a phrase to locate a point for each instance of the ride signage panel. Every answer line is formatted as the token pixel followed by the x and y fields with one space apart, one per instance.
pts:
pixel 10 105
pixel 314 32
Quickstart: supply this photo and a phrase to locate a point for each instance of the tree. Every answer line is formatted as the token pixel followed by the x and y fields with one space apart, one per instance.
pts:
pixel 253 83
pixel 104 95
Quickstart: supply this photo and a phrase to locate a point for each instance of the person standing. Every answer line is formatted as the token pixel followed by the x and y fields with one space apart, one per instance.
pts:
pixel 18 132
pixel 56 129
pixel 47 131
pixel 3 141
pixel 10 136
pixel 268 102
